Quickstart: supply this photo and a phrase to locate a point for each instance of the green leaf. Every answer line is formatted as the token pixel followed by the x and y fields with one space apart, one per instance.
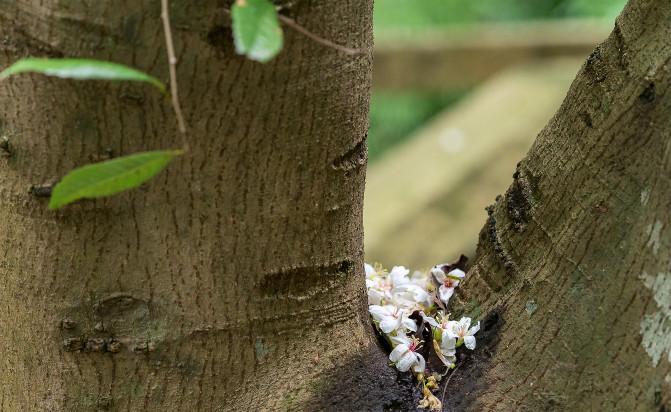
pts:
pixel 110 177
pixel 80 69
pixel 256 29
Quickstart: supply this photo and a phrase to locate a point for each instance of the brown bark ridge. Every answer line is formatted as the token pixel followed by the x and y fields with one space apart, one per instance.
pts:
pixel 572 275
pixel 233 281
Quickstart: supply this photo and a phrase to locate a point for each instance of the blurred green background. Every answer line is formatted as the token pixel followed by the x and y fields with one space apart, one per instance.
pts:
pixel 394 116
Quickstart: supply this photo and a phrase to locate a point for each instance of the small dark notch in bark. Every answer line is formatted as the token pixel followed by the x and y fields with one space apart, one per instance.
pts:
pixel 73 344
pixel 106 154
pixel 68 324
pixel 594 66
pixel 111 323
pixel 5 146
pixel 26 42
pixel 220 37
pixel 354 158
pixel 305 281
pixel 131 95
pixel 649 94
pixel 492 235
pixel 43 190
pixel 83 344
pixel 587 119
pixel 114 346
pixel 143 346
pixel 519 200
pixel 601 207
pixel 95 345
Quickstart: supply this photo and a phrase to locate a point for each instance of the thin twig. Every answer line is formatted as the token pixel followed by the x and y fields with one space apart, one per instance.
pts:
pixel 442 399
pixel 307 33
pixel 328 43
pixel 172 59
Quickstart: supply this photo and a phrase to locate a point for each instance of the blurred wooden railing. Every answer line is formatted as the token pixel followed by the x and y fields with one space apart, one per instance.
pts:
pixel 461 57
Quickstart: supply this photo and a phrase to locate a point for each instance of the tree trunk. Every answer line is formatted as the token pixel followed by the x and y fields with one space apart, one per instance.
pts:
pixel 231 282
pixel 572 274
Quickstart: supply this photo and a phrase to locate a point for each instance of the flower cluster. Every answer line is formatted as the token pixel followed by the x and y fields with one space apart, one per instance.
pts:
pixel 403 306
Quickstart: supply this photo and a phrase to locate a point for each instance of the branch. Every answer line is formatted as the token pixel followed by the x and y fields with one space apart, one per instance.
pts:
pixel 449 378
pixel 172 65
pixel 291 23
pixel 328 43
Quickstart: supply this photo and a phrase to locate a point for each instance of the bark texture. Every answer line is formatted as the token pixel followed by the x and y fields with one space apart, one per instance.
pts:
pixel 573 271
pixel 232 281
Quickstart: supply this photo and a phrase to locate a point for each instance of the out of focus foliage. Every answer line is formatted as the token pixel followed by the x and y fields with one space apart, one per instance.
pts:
pixel 395 116
pixel 419 14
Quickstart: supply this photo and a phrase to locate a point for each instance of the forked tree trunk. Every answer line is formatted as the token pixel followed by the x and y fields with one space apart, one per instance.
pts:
pixel 573 270
pixel 231 282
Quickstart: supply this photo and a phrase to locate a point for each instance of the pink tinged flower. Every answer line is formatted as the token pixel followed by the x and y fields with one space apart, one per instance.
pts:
pixel 392 318
pixel 378 286
pixel 405 355
pixel 448 281
pixel 462 331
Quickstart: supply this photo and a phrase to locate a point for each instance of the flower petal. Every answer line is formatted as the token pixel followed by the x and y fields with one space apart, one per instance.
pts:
pixel 428 319
pixel 370 270
pixel 389 324
pixel 443 358
pixel 420 363
pixel 378 312
pixel 398 352
pixel 464 323
pixel 409 324
pixel 448 345
pixel 374 296
pixel 472 331
pixel 451 329
pixel 445 293
pixel 398 275
pixel 438 273
pixel 457 273
pixel 406 361
pixel 400 340
pixel 469 342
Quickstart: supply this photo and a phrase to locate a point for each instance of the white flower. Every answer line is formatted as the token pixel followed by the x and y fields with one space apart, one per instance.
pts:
pixel 392 318
pixel 460 330
pixel 380 286
pixel 421 279
pixel 446 350
pixel 446 346
pixel 399 275
pixel 409 293
pixel 447 281
pixel 410 297
pixel 405 355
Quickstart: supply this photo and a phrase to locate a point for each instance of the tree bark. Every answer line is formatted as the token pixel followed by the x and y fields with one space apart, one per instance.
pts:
pixel 572 273
pixel 233 280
